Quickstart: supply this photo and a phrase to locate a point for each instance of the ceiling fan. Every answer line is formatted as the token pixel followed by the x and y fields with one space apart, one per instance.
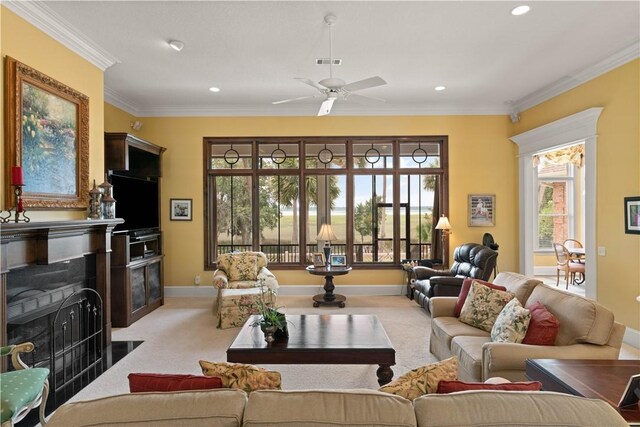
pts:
pixel 333 88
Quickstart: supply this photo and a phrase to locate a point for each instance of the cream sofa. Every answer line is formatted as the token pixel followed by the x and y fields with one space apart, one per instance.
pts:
pixel 233 408
pixel 587 331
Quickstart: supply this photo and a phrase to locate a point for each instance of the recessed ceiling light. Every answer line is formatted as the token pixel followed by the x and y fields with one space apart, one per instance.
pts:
pixel 214 89
pixel 439 88
pixel 176 45
pixel 520 10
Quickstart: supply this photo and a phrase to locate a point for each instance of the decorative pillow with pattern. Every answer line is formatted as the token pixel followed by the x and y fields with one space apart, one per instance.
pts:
pixel 244 377
pixel 483 305
pixel 423 380
pixel 512 323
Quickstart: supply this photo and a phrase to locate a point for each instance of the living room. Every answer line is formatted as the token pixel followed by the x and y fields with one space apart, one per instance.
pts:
pixel 483 157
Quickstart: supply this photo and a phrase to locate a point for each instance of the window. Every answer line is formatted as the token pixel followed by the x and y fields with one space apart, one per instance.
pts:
pixel 555 203
pixel 273 194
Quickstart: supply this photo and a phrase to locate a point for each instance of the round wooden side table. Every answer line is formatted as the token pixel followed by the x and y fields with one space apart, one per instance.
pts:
pixel 329 298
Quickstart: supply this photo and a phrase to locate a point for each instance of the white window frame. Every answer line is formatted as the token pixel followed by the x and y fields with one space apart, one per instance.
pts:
pixel 571 205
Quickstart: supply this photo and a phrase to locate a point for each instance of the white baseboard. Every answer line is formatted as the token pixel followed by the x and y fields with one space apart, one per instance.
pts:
pixel 292 290
pixel 544 271
pixel 632 337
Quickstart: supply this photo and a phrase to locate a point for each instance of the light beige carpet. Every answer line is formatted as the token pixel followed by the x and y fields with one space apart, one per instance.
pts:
pixel 183 331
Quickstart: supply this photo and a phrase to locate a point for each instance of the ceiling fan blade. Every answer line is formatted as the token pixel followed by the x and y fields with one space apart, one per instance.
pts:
pixel 364 84
pixel 310 83
pixel 364 98
pixel 294 99
pixel 325 108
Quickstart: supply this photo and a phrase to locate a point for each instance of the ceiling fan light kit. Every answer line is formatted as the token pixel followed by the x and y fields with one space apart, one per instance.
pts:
pixel 333 88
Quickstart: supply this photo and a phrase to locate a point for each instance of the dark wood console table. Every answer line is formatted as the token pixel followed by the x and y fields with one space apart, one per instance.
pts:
pixel 329 298
pixel 595 379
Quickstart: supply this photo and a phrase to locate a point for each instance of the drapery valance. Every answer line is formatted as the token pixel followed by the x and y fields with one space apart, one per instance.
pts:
pixel 573 154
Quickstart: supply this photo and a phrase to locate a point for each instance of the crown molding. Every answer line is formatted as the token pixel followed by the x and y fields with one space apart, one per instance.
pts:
pixel 42 17
pixel 118 100
pixel 564 84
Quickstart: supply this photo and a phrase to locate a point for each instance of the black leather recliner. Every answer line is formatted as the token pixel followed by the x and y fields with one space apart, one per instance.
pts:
pixel 470 260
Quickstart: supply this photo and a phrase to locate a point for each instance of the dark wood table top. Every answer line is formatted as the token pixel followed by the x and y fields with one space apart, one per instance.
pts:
pixel 595 379
pixel 317 339
pixel 328 271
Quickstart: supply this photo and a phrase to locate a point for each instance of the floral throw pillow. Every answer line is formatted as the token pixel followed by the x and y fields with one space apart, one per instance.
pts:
pixel 423 380
pixel 512 323
pixel 483 305
pixel 244 377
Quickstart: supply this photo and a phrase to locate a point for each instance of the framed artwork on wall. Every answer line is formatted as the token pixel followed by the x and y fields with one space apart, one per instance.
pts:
pixel 180 209
pixel 632 215
pixel 482 210
pixel 48 136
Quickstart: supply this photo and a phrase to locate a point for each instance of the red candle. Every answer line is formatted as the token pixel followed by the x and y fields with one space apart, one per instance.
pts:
pixel 20 207
pixel 16 176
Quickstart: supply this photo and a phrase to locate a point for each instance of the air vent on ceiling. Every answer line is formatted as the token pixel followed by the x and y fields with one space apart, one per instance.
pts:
pixel 326 61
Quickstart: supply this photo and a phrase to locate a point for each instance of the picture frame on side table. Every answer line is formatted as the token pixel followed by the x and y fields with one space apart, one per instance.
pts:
pixel 632 215
pixel 482 210
pixel 338 261
pixel 631 394
pixel 48 136
pixel 318 259
pixel 180 209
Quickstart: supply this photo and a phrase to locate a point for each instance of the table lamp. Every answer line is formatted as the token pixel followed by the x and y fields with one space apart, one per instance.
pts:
pixel 326 233
pixel 444 226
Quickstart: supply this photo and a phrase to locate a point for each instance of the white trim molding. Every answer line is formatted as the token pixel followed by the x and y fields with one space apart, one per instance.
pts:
pixel 619 58
pixel 632 337
pixel 581 126
pixel 118 100
pixel 45 19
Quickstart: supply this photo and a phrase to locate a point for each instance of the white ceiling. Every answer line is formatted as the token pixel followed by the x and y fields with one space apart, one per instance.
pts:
pixel 490 61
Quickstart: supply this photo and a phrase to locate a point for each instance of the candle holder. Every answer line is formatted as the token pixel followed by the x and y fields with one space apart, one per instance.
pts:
pixel 18 207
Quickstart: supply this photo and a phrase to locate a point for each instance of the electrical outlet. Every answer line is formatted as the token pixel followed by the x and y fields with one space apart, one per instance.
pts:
pixel 602 251
pixel 197 280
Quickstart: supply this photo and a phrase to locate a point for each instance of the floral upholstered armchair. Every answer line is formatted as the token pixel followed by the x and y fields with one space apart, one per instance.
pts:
pixel 240 279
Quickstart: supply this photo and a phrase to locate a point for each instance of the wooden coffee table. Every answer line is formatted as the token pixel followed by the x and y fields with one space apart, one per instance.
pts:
pixel 347 339
pixel 595 379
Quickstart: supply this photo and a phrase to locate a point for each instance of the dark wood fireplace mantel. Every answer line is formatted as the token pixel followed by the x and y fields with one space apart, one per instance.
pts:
pixel 43 243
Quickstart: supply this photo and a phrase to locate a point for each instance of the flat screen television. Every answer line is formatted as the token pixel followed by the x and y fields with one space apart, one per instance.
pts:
pixel 136 203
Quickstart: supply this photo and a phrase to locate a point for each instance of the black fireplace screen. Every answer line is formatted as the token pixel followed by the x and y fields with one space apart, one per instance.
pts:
pixel 57 308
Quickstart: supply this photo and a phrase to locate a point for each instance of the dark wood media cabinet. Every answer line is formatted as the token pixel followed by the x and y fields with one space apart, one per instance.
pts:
pixel 137 285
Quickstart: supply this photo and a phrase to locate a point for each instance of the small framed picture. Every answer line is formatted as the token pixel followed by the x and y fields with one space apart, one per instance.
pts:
pixel 318 259
pixel 632 215
pixel 180 210
pixel 631 394
pixel 338 261
pixel 482 210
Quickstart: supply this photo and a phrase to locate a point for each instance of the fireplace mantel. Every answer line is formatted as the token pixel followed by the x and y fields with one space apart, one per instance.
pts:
pixel 38 243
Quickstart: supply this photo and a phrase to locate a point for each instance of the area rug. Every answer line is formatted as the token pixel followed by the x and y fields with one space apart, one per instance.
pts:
pixel 183 331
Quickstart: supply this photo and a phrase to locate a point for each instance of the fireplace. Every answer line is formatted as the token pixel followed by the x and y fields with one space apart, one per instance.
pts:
pixel 55 292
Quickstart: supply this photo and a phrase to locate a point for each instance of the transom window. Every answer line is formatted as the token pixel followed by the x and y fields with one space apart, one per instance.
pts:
pixel 272 195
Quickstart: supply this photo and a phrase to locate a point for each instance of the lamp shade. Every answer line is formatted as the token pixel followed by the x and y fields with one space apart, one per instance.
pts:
pixel 326 233
pixel 443 223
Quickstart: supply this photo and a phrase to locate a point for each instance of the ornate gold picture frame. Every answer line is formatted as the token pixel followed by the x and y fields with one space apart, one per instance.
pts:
pixel 47 133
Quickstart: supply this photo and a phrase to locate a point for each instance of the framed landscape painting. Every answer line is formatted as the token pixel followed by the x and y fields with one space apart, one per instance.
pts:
pixel 47 133
pixel 482 210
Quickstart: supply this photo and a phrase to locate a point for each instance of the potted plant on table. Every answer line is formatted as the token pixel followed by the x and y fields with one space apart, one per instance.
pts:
pixel 269 318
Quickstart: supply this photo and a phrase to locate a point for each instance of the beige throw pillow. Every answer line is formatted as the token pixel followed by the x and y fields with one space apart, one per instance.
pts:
pixel 483 305
pixel 244 377
pixel 423 380
pixel 512 323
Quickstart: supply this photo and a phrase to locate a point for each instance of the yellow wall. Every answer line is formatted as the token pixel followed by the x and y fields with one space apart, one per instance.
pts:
pixel 618 175
pixel 22 41
pixel 476 145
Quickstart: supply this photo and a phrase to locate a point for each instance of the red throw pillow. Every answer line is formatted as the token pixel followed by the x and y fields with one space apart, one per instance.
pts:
pixel 543 327
pixel 139 383
pixel 464 291
pixel 453 386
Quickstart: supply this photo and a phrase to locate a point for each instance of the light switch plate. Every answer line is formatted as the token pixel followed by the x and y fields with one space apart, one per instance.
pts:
pixel 602 251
